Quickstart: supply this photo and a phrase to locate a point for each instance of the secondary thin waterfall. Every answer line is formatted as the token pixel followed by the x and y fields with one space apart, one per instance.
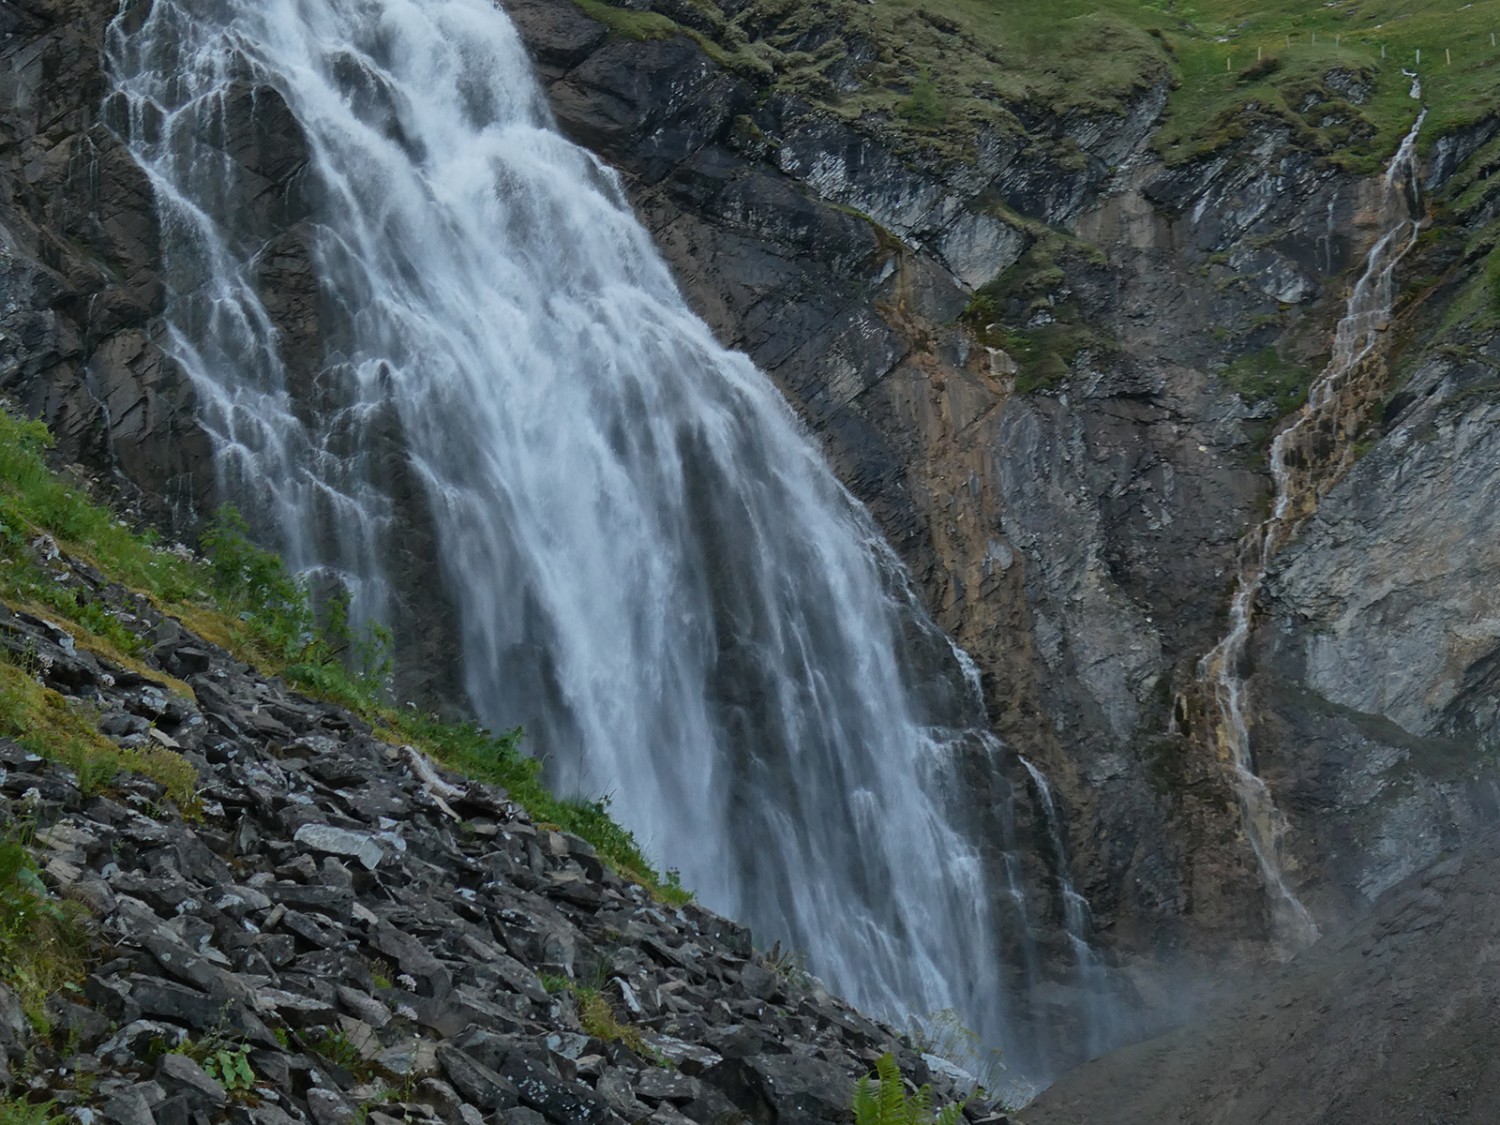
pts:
pixel 1300 473
pixel 1101 1019
pixel 650 566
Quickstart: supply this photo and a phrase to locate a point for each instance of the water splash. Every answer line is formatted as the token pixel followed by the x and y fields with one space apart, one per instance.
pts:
pixel 652 569
pixel 1332 408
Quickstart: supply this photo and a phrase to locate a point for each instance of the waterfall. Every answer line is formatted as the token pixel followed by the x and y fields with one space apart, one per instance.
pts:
pixel 650 567
pixel 1100 1019
pixel 1300 473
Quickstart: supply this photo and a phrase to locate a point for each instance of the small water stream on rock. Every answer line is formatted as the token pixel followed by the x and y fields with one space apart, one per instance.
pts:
pixel 1306 457
pixel 651 568
pixel 1102 1022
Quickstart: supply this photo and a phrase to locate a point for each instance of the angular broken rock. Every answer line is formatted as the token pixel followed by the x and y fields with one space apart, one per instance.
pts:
pixel 255 918
pixel 325 838
pixel 181 1075
pixel 475 1081
pixel 658 1085
pixel 413 958
pixel 557 1099
pixel 129 1107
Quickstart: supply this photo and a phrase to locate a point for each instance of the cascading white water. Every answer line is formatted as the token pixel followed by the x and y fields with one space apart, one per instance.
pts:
pixel 1356 339
pixel 652 569
pixel 1100 1019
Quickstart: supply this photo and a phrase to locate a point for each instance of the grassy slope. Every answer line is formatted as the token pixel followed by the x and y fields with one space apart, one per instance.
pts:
pixel 1311 38
pixel 941 72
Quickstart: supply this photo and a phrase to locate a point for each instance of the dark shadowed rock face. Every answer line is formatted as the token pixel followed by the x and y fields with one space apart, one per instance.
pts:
pixel 1388 1024
pixel 80 262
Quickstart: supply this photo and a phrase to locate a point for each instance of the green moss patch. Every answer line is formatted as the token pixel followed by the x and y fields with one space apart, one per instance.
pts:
pixel 1032 314
pixel 1263 376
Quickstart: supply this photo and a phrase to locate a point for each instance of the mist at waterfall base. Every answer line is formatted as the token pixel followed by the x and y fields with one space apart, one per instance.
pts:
pixel 650 568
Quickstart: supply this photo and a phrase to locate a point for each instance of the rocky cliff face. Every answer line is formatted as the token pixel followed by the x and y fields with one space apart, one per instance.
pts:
pixel 1066 459
pixel 80 259
pixel 1079 537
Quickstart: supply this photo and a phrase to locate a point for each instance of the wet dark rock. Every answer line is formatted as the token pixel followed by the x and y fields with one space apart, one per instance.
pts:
pixel 555 1098
pixel 83 1027
pixel 327 1107
pixel 129 1107
pixel 1076 540
pixel 476 1082
pixel 164 1000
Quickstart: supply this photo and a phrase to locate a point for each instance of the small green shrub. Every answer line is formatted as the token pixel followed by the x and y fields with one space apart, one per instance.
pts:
pixel 18 1111
pixel 225 1058
pixel 255 584
pixel 886 1102
pixel 555 983
pixel 336 1046
pixel 925 105
pixel 316 646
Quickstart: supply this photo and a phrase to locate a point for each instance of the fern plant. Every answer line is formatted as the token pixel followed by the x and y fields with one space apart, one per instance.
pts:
pixel 886 1102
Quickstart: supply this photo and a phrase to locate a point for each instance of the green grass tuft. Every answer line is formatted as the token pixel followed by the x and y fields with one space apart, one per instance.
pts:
pixel 43 941
pixel 49 725
pixel 598 1019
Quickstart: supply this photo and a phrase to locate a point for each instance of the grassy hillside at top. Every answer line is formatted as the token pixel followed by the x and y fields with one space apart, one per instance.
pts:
pixel 940 71
pixel 1217 42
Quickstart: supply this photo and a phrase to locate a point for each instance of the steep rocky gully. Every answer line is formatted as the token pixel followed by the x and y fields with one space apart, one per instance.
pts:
pixel 1072 520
